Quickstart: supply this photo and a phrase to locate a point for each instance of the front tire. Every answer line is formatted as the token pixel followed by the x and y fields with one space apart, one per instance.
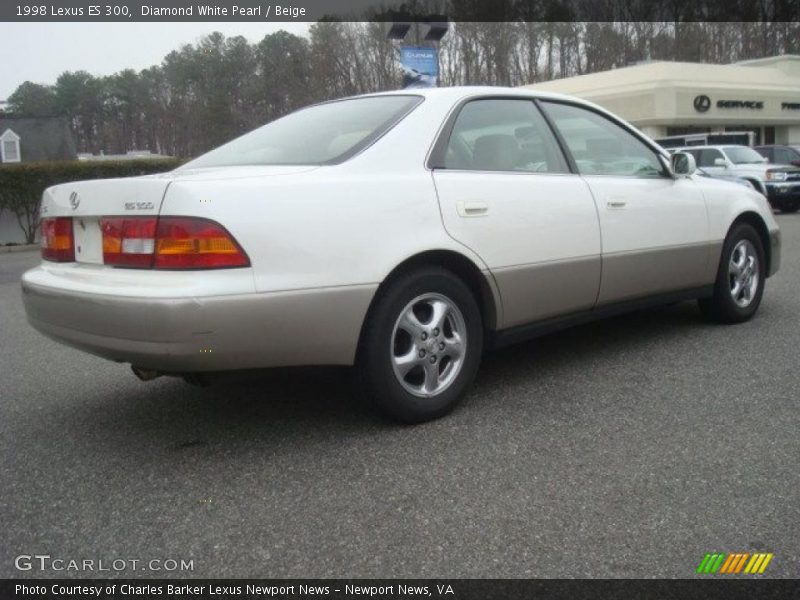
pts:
pixel 421 346
pixel 740 277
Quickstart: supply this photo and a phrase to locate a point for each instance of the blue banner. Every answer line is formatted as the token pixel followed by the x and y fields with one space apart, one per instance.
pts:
pixel 420 66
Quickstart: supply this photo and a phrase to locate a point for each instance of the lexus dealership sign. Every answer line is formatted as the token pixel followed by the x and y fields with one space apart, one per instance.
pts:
pixel 702 103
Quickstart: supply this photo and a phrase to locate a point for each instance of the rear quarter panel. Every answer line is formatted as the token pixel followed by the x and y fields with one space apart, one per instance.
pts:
pixel 338 225
pixel 330 227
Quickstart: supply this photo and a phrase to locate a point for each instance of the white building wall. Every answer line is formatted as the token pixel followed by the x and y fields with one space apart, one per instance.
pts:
pixel 788 135
pixel 653 131
pixel 657 95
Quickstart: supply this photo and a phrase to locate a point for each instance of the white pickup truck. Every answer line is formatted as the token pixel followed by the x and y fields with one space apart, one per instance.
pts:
pixel 779 183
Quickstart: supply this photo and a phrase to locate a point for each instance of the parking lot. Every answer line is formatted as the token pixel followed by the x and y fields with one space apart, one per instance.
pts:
pixel 623 448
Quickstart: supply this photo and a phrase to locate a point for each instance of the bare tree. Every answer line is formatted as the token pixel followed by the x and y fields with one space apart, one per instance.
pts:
pixel 205 93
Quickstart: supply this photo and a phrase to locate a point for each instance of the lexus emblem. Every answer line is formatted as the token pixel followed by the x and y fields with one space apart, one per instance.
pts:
pixel 702 103
pixel 74 201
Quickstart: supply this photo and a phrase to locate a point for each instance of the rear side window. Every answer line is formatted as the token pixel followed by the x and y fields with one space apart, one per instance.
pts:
pixel 322 134
pixel 503 135
pixel 600 146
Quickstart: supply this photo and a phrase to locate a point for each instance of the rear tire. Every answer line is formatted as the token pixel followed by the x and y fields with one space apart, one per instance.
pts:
pixel 740 278
pixel 421 346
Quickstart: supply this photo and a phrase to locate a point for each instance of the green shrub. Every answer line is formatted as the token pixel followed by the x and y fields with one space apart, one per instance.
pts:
pixel 22 185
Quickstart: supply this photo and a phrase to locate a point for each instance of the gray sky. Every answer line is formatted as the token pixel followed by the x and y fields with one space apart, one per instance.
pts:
pixel 42 51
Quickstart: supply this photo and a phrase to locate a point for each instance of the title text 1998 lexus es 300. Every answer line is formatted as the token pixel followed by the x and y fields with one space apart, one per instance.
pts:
pixel 403 233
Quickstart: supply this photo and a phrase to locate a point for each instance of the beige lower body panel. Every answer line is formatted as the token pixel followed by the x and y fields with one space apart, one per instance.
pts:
pixel 303 327
pixel 539 291
pixel 629 275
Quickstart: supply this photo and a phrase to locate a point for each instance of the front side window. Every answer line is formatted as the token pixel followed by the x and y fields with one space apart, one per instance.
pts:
pixel 784 156
pixel 322 134
pixel 503 135
pixel 742 155
pixel 706 157
pixel 600 146
pixel 765 152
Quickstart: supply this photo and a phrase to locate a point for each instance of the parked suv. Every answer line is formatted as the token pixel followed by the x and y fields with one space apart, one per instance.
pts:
pixel 780 183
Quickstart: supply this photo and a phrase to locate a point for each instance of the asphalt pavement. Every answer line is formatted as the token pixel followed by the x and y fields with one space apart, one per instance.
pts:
pixel 624 448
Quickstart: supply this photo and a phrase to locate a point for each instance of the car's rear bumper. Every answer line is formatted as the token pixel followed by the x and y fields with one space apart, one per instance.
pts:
pixel 192 334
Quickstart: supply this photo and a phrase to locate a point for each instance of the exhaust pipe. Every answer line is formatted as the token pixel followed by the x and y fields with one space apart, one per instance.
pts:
pixel 145 374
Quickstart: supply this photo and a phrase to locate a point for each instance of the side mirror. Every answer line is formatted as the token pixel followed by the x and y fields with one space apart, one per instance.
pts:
pixel 683 163
pixel 720 162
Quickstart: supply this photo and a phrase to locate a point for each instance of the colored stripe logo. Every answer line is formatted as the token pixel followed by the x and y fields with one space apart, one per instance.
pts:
pixel 734 563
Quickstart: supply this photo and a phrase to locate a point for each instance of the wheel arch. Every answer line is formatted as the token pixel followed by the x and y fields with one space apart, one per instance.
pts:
pixel 754 219
pixel 481 285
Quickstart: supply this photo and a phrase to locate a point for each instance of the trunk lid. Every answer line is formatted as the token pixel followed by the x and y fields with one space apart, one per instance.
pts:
pixel 140 195
pixel 86 202
pixel 104 197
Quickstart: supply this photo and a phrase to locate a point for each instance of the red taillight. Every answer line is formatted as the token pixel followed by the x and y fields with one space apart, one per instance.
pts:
pixel 56 239
pixel 190 243
pixel 129 242
pixel 169 243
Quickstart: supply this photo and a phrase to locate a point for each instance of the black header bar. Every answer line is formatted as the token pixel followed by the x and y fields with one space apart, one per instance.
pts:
pixel 393 10
pixel 382 589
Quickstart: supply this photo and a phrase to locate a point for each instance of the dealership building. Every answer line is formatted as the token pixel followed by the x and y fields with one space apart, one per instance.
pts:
pixel 674 98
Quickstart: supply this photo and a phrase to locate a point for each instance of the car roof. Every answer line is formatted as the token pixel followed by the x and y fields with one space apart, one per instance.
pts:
pixel 712 146
pixel 465 91
pixel 456 94
pixel 462 92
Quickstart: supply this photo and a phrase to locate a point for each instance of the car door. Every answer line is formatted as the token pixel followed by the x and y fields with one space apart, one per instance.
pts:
pixel 506 191
pixel 654 227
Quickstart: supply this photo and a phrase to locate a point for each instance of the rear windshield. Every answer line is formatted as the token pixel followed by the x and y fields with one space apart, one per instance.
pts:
pixel 321 134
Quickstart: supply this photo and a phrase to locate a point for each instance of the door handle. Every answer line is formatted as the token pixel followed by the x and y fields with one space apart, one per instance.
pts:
pixel 472 208
pixel 616 204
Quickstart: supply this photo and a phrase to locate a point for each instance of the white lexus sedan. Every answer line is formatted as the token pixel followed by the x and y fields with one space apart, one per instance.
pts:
pixel 404 233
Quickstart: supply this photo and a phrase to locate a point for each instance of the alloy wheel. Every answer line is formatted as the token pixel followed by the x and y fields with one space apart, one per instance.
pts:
pixel 428 345
pixel 743 273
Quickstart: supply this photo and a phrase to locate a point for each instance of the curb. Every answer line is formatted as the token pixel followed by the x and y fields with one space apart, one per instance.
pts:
pixel 20 248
